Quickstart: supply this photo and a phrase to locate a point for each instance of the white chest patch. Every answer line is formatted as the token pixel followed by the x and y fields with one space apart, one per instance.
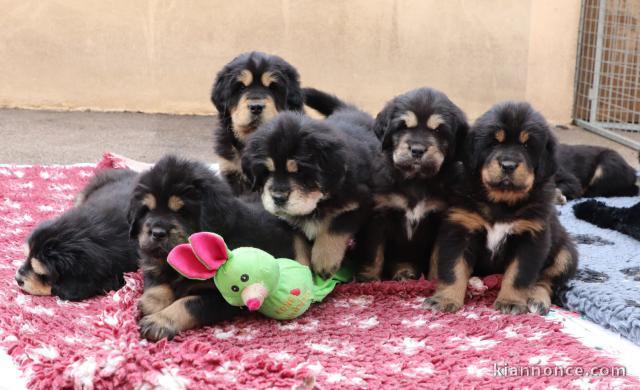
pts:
pixel 497 234
pixel 310 229
pixel 414 216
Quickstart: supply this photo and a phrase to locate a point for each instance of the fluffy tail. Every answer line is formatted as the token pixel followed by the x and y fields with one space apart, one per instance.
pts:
pixel 322 102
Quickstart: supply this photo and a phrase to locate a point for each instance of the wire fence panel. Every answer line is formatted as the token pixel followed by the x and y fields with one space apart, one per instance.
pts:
pixel 607 90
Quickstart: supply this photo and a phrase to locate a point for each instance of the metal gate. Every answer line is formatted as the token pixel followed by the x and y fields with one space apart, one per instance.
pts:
pixel 607 86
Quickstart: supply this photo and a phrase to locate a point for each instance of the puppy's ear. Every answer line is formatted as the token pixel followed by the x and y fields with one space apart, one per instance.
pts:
pixel 331 159
pixel 382 125
pixel 548 163
pixel 295 99
pixel 134 215
pixel 221 91
pixel 461 131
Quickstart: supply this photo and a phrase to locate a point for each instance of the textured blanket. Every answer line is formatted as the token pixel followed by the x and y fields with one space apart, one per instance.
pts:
pixel 373 335
pixel 607 287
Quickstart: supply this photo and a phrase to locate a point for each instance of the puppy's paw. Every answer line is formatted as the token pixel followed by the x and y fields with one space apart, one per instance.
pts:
pixel 560 198
pixel 510 307
pixel 405 274
pixel 155 299
pixel 156 326
pixel 538 306
pixel 441 303
pixel 326 271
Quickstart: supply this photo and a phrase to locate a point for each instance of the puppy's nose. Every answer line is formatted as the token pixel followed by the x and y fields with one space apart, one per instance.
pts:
pixel 508 166
pixel 417 151
pixel 280 198
pixel 158 233
pixel 256 108
pixel 19 281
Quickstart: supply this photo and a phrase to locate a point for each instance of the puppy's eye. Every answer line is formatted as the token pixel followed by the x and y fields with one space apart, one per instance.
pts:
pixel 235 288
pixel 244 277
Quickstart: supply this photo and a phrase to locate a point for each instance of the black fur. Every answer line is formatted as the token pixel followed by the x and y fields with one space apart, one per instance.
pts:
pixel 208 205
pixel 87 249
pixel 227 92
pixel 507 201
pixel 333 178
pixel 626 220
pixel 590 171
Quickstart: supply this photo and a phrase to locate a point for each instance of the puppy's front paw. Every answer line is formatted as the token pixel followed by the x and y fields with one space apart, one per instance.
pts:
pixel 538 306
pixel 407 273
pixel 441 303
pixel 156 326
pixel 510 307
pixel 325 271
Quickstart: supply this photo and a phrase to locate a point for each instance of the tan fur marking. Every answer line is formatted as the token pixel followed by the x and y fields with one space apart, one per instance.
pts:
pixel 392 201
pixel 450 297
pixel 302 249
pixel 32 285
pixel 328 250
pixel 271 166
pixel 597 174
pixel 541 293
pixel 508 294
pixel 410 119
pixel 155 298
pixel 435 121
pixel 500 135
pixel 433 263
pixel 527 226
pixel 175 203
pixel 522 177
pixel 292 166
pixel 229 166
pixel 243 121
pixel 268 78
pixel 150 201
pixel 560 265
pixel 373 271
pixel 38 267
pixel 470 220
pixel 245 77
pixel 523 137
pixel 173 319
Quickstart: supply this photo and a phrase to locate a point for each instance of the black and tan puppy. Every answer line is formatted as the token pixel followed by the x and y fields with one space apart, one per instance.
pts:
pixel 502 219
pixel 590 171
pixel 247 92
pixel 421 132
pixel 85 251
pixel 318 176
pixel 171 201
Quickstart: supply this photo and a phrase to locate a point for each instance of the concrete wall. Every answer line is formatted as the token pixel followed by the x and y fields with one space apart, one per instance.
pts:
pixel 161 56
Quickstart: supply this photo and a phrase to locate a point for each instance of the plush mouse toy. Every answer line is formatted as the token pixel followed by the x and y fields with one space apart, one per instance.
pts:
pixel 278 288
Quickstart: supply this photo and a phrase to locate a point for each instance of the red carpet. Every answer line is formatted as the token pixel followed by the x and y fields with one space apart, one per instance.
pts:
pixel 363 335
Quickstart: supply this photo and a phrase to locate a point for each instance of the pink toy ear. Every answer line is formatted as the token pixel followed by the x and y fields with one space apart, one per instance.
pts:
pixel 210 249
pixel 187 264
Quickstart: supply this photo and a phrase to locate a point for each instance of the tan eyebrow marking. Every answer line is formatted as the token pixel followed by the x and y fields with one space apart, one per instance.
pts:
pixel 500 135
pixel 150 201
pixel 524 137
pixel 175 203
pixel 292 166
pixel 38 267
pixel 271 166
pixel 434 121
pixel 410 119
pixel 268 78
pixel 245 77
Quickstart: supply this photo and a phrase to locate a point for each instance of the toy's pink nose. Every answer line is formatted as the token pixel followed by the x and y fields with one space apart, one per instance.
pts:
pixel 253 304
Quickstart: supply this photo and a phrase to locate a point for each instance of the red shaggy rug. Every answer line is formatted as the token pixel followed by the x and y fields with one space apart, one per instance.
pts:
pixel 363 335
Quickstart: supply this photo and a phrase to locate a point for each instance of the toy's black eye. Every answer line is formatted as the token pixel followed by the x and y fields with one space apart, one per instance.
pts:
pixel 235 288
pixel 244 277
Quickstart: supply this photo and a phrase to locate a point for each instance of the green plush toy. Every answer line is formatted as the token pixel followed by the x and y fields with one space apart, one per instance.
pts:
pixel 278 288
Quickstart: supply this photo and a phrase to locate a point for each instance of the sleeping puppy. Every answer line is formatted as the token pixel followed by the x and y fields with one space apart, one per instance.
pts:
pixel 502 219
pixel 171 201
pixel 85 251
pixel 247 92
pixel 316 175
pixel 590 171
pixel 421 132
